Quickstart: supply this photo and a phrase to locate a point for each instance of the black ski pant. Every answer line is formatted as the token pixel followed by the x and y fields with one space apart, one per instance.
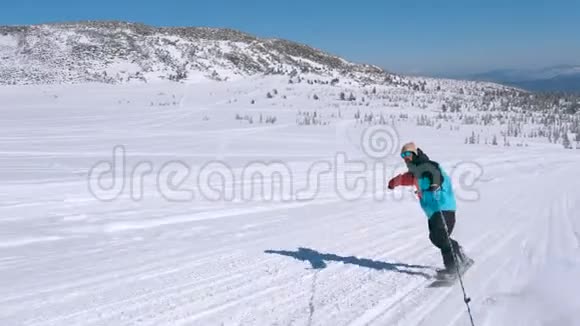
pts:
pixel 438 236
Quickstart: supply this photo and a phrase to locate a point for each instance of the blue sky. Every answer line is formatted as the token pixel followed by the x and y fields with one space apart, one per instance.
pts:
pixel 427 37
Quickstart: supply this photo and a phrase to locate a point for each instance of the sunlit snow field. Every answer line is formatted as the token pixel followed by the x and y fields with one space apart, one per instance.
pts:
pixel 184 233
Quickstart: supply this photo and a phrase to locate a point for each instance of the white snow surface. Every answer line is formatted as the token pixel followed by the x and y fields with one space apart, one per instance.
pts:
pixel 8 44
pixel 68 258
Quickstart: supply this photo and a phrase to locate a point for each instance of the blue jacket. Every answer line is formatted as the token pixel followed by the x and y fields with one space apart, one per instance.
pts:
pixel 427 173
pixel 442 199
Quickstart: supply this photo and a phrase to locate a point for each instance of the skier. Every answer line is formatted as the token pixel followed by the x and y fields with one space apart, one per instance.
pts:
pixel 437 200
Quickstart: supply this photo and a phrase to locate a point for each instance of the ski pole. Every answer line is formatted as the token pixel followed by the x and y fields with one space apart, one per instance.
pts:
pixel 466 299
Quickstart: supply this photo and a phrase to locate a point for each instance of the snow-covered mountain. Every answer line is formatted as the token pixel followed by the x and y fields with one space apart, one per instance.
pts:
pixel 120 51
pixel 263 199
pixel 116 52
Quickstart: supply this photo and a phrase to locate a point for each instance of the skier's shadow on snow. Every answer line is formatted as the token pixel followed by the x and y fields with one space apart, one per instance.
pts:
pixel 318 261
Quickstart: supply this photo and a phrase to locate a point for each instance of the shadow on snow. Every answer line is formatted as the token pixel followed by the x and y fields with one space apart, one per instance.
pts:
pixel 318 261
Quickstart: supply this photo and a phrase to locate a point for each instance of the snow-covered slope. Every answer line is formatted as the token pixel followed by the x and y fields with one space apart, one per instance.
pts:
pixel 119 51
pixel 210 245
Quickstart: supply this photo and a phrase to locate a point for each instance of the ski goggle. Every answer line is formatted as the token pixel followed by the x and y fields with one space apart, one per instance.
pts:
pixel 406 154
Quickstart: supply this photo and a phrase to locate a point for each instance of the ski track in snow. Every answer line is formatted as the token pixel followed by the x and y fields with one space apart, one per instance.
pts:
pixel 68 259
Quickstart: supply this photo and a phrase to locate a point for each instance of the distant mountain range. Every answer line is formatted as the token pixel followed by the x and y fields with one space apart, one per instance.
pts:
pixel 565 78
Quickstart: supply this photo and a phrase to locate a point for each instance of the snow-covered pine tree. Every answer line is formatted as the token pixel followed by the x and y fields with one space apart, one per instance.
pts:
pixel 566 141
